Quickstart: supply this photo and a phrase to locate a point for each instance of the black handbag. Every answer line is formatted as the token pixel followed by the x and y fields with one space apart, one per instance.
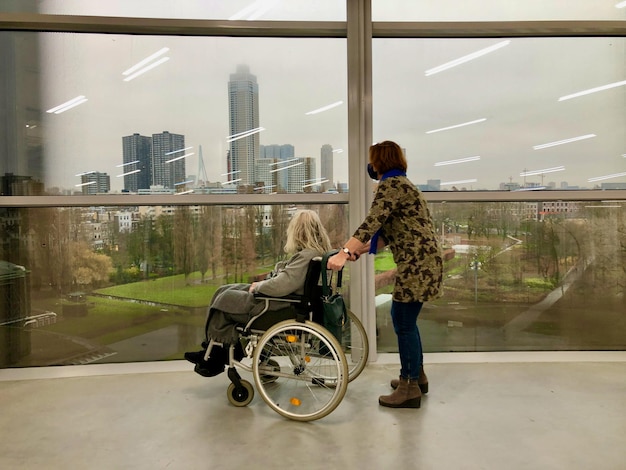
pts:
pixel 334 307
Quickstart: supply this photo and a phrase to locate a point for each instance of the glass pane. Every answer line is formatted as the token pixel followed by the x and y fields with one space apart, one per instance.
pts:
pixel 292 10
pixel 91 114
pixel 110 284
pixel 522 276
pixel 497 10
pixel 521 114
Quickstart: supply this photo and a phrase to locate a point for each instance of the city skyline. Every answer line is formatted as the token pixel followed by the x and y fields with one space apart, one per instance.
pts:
pixel 508 137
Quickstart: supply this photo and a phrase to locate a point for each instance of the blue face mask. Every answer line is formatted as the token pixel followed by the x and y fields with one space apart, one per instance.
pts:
pixel 370 171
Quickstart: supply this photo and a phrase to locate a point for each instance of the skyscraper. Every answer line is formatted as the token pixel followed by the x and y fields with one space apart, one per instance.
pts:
pixel 300 173
pixel 243 109
pixel 282 154
pixel 168 162
pixel 265 177
pixel 137 167
pixel 326 157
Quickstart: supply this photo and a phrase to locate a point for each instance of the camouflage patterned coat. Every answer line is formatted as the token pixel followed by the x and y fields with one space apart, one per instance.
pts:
pixel 399 210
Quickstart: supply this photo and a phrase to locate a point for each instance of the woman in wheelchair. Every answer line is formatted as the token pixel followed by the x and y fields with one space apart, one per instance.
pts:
pixel 234 304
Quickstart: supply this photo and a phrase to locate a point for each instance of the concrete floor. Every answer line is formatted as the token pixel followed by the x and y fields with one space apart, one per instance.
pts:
pixel 489 411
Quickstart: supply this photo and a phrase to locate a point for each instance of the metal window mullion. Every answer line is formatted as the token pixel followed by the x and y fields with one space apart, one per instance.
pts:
pixel 359 47
pixel 497 29
pixel 169 27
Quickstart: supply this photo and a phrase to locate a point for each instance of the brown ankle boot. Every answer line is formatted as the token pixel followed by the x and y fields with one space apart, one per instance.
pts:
pixel 422 381
pixel 407 395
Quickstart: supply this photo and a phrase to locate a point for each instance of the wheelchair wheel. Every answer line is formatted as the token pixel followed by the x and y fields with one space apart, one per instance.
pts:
pixel 312 375
pixel 271 366
pixel 242 396
pixel 355 345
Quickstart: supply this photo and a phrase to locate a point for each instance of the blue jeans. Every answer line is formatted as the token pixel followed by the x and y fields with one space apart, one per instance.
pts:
pixel 404 317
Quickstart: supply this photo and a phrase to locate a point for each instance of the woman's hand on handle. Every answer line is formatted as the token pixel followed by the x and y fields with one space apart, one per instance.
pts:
pixel 336 262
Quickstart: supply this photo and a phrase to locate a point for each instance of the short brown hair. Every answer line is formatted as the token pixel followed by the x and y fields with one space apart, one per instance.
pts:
pixel 386 156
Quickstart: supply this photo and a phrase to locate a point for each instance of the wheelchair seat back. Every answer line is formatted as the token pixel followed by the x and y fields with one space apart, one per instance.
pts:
pixel 300 307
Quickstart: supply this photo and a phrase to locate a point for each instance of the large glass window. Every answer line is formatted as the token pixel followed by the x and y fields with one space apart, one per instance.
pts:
pixel 97 114
pixel 504 114
pixel 124 284
pixel 522 276
pixel 225 110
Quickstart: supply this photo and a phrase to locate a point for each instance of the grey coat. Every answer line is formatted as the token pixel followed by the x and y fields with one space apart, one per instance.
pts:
pixel 233 304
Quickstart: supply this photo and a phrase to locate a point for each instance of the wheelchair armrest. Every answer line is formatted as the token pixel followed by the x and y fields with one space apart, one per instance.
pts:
pixel 291 298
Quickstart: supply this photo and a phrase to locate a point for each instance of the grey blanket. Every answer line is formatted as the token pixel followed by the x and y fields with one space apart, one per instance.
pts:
pixel 233 305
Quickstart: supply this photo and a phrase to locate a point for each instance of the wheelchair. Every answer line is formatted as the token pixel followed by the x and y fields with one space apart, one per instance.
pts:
pixel 300 369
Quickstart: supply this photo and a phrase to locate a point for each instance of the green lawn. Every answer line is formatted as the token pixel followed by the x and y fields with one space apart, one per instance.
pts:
pixel 112 320
pixel 173 290
pixel 384 262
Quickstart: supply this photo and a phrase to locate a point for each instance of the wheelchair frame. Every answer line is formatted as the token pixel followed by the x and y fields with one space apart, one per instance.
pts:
pixel 300 369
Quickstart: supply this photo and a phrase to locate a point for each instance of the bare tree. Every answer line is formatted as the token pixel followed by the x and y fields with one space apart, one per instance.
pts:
pixel 208 240
pixel 183 241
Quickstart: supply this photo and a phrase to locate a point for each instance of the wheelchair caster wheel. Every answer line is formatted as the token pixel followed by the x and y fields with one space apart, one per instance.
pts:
pixel 241 396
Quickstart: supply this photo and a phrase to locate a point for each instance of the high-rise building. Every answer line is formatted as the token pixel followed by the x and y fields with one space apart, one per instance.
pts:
pixel 137 167
pixel 95 182
pixel 283 154
pixel 300 173
pixel 326 160
pixel 168 161
pixel 265 177
pixel 243 109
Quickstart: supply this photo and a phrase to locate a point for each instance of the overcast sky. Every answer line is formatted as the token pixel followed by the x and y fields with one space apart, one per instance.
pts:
pixel 511 94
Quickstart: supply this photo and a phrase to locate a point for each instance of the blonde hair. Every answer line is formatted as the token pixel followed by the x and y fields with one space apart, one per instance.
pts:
pixel 305 230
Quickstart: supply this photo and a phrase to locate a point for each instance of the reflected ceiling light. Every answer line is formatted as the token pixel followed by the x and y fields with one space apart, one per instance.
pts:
pixel 180 158
pixel 285 167
pixel 534 188
pixel 466 58
pixel 325 108
pixel 183 182
pixel 261 188
pixel 241 135
pixel 315 183
pixel 593 90
pixel 184 192
pixel 460 160
pixel 282 162
pixel 564 141
pixel 542 172
pixel 231 173
pixel 445 183
pixel 231 181
pixel 86 173
pixel 85 184
pixel 457 125
pixel 607 177
pixel 143 62
pixel 145 69
pixel 341 151
pixel 621 5
pixel 126 164
pixel 67 105
pixel 254 11
pixel 127 173
pixel 179 150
